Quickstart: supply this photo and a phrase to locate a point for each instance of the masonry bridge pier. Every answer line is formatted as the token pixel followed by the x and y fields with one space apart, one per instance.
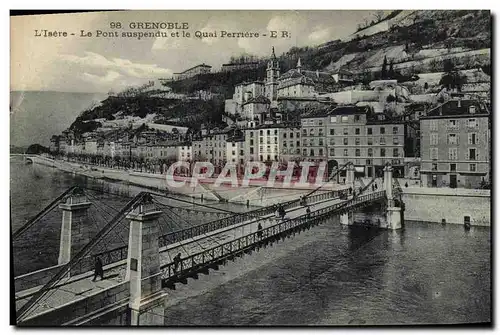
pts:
pixel 143 260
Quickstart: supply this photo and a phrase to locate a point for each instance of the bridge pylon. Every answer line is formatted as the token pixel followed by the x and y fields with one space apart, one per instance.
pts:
pixel 147 299
pixel 74 223
pixel 393 215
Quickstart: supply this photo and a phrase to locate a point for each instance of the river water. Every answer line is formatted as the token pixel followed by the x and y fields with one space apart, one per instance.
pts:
pixel 328 275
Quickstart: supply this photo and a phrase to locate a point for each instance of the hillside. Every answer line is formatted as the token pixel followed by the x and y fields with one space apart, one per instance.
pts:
pixel 414 42
pixel 187 112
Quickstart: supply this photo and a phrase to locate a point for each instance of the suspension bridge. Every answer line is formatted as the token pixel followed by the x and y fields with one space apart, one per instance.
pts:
pixel 152 242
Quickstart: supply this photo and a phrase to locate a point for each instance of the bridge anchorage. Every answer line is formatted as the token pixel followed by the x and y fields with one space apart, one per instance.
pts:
pixel 148 257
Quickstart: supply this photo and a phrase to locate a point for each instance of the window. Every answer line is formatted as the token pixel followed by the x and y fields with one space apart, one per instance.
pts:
pixel 472 123
pixel 332 131
pixel 346 141
pixel 320 141
pixel 304 132
pixel 268 132
pixel 395 140
pixel 472 154
pixel 368 162
pixel 394 130
pixel 261 140
pixel 275 131
pixel 369 131
pixel 382 152
pixel 434 166
pixel 320 122
pixel 333 119
pixel 434 153
pixel 382 130
pixel 234 144
pixel 251 142
pixel 452 153
pixel 472 138
pixel 291 135
pixel 332 152
pixel 345 119
pixel 320 132
pixel 346 152
pixel 304 143
pixel 275 140
pixel 251 134
pixel 382 140
pixel 332 141
pixel 234 152
pixel 320 152
pixel 311 141
pixel 370 152
pixel 434 139
pixel 395 152
pixel 370 141
pixel 472 167
pixel 291 144
pixel 298 143
pixel 357 153
pixel 356 131
pixel 311 131
pixel 312 152
pixel 261 133
pixel 284 144
pixel 356 141
pixel 356 118
pixel 304 152
pixel 284 135
pixel 241 152
pixel 433 126
pixel 472 109
pixel 452 139
pixel 346 131
pixel 452 124
pixel 453 167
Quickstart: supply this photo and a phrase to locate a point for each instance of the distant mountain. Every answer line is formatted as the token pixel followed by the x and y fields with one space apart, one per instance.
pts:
pixel 37 115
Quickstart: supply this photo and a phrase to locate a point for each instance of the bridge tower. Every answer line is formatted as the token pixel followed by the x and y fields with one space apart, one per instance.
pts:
pixel 349 180
pixel 393 215
pixel 147 300
pixel 74 224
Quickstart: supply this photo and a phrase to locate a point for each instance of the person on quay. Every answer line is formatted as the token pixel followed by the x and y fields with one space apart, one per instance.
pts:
pixel 259 231
pixel 177 260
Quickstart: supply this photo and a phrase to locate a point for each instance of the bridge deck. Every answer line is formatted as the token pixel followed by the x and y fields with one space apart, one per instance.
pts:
pixel 79 286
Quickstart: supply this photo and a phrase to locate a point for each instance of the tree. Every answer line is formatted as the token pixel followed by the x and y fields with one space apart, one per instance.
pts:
pixel 391 73
pixel 384 68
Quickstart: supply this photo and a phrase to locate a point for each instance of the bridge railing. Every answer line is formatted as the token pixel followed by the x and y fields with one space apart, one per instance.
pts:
pixel 242 243
pixel 204 228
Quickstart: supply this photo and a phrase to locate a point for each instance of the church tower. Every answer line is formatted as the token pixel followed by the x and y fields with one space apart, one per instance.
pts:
pixel 273 73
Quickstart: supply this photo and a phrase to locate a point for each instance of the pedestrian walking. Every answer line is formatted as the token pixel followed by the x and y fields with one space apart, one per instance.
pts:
pixel 406 184
pixel 98 269
pixel 177 260
pixel 308 212
pixel 259 231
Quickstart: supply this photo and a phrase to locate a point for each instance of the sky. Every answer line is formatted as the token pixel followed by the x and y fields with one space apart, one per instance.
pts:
pixel 101 64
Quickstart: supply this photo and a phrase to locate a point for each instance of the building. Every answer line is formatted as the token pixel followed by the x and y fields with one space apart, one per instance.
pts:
pixel 455 144
pixel 54 144
pixel 211 147
pixel 354 134
pixel 191 72
pixel 229 67
pixel 343 76
pixel 314 146
pixel 184 152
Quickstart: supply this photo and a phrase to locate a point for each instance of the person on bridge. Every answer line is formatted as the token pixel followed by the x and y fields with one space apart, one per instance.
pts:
pixel 177 260
pixel 350 190
pixel 259 231
pixel 308 212
pixel 98 271
pixel 282 212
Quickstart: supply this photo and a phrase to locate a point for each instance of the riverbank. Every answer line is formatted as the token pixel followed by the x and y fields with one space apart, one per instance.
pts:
pixel 422 204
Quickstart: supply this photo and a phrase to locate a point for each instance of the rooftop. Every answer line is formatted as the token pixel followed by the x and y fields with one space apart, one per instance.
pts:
pixel 458 107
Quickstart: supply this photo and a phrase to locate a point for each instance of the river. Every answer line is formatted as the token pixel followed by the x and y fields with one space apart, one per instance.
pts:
pixel 328 275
